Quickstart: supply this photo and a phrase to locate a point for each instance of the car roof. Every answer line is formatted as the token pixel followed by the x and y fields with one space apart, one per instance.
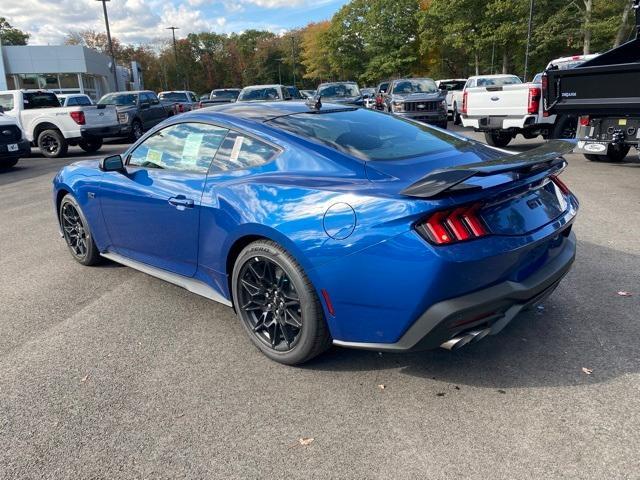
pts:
pixel 262 112
pixel 337 83
pixel 411 78
pixel 502 75
pixel 273 85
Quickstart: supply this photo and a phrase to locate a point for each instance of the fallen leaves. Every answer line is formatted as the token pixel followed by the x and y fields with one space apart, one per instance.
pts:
pixel 622 293
pixel 85 378
pixel 382 386
pixel 304 441
pixel 587 371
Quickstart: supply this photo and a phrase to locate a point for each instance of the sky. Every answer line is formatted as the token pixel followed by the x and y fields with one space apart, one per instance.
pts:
pixel 144 21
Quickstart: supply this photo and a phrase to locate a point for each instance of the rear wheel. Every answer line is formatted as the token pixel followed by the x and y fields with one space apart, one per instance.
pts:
pixel 136 130
pixel 52 144
pixel 91 146
pixel 77 233
pixel 277 304
pixel 565 127
pixel 615 153
pixel 497 138
pixel 457 120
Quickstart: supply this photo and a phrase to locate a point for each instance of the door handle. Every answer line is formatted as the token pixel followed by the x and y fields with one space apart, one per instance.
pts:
pixel 181 202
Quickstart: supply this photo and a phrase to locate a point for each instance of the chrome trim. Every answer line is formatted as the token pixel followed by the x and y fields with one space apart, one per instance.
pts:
pixel 191 284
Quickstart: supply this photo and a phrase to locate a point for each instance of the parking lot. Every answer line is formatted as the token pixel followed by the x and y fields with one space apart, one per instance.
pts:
pixel 107 372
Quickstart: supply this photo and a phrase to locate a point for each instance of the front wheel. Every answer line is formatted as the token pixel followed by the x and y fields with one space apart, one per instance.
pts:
pixel 136 130
pixel 497 138
pixel 52 144
pixel 614 154
pixel 76 232
pixel 277 304
pixel 91 146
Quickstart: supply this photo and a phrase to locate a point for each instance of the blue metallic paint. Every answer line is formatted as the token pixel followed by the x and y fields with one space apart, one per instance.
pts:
pixel 381 276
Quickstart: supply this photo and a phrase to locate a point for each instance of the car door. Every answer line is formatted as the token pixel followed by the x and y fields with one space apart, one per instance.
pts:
pixel 157 109
pixel 152 210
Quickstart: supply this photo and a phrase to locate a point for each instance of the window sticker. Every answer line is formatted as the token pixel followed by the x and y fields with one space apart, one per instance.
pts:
pixel 154 156
pixel 192 147
pixel 235 152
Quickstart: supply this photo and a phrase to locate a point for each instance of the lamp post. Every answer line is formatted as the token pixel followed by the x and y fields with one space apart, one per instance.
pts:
pixel 175 52
pixel 526 55
pixel 113 58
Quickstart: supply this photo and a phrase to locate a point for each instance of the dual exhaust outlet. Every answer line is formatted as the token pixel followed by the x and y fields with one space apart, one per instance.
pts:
pixel 465 339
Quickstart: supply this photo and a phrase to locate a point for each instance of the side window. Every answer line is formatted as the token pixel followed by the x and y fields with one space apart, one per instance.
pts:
pixel 152 98
pixel 72 102
pixel 185 147
pixel 83 101
pixel 6 102
pixel 144 98
pixel 240 151
pixel 193 97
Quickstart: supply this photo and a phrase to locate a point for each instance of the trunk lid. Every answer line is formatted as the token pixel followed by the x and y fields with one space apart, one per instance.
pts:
pixel 99 115
pixel 507 100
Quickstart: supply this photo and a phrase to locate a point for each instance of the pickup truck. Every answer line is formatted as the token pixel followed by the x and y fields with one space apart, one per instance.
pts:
pixel 417 99
pixel 53 128
pixel 138 111
pixel 179 101
pixel 502 106
pixel 13 145
pixel 454 88
pixel 602 97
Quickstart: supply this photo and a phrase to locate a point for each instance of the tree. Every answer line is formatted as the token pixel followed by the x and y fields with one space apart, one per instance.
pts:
pixel 315 52
pixel 10 35
pixel 94 40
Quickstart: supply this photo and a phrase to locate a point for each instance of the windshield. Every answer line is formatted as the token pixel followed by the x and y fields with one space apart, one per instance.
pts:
pixel 233 94
pixel 173 96
pixel 40 100
pixel 367 134
pixel 120 99
pixel 498 82
pixel 259 94
pixel 453 85
pixel 404 87
pixel 339 90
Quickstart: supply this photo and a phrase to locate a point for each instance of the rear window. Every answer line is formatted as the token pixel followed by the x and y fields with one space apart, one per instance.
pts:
pixel 40 100
pixel 453 85
pixel 367 134
pixel 225 94
pixel 78 101
pixel 174 96
pixel 498 82
pixel 259 94
pixel 339 90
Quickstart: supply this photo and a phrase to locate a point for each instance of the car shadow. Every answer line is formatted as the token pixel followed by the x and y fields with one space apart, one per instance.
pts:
pixel 584 324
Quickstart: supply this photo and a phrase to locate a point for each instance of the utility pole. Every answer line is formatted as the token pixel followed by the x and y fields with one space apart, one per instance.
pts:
pixel 526 55
pixel 175 53
pixel 113 58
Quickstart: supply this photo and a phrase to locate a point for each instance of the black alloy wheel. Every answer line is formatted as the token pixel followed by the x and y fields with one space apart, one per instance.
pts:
pixel 277 304
pixel 270 304
pixel 52 144
pixel 76 232
pixel 136 130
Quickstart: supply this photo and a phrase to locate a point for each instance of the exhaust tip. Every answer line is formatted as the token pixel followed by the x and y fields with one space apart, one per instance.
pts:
pixel 470 337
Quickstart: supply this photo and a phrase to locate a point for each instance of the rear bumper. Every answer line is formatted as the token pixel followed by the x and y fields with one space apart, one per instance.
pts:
pixel 101 132
pixel 488 123
pixel 493 307
pixel 24 149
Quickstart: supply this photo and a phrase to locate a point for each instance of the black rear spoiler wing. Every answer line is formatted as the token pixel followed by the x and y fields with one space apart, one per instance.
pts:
pixel 525 163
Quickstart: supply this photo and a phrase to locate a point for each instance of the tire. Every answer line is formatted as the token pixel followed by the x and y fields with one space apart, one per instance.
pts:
pixel 136 130
pixel 277 304
pixel 76 232
pixel 565 127
pixel 614 154
pixel 442 125
pixel 52 144
pixel 7 164
pixel 457 119
pixel 91 146
pixel 497 138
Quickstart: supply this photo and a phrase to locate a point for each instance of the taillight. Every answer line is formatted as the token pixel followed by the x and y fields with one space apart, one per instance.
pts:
pixel 180 108
pixel 584 121
pixel 545 85
pixel 78 117
pixel 534 100
pixel 561 185
pixel 451 226
pixel 464 103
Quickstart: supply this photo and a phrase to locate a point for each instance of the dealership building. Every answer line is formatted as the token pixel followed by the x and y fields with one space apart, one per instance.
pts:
pixel 64 69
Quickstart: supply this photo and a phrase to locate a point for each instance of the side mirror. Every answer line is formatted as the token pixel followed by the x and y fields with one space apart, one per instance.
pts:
pixel 113 163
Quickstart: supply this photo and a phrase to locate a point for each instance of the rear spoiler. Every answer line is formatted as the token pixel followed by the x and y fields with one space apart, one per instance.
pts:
pixel 449 179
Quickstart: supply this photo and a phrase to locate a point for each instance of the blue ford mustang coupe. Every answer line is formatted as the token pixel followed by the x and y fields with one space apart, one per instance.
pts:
pixel 328 224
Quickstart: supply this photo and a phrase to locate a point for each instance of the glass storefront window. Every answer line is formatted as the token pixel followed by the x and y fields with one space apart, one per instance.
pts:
pixel 48 81
pixel 28 80
pixel 11 83
pixel 68 80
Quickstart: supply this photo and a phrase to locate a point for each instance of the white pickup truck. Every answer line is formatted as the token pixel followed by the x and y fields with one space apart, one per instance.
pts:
pixel 502 107
pixel 53 128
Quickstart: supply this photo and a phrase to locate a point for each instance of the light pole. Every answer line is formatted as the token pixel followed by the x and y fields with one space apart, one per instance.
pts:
pixel 280 60
pixel 113 58
pixel 293 58
pixel 175 53
pixel 526 55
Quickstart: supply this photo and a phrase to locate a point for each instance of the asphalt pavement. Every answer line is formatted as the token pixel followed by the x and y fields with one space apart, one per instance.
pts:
pixel 107 373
